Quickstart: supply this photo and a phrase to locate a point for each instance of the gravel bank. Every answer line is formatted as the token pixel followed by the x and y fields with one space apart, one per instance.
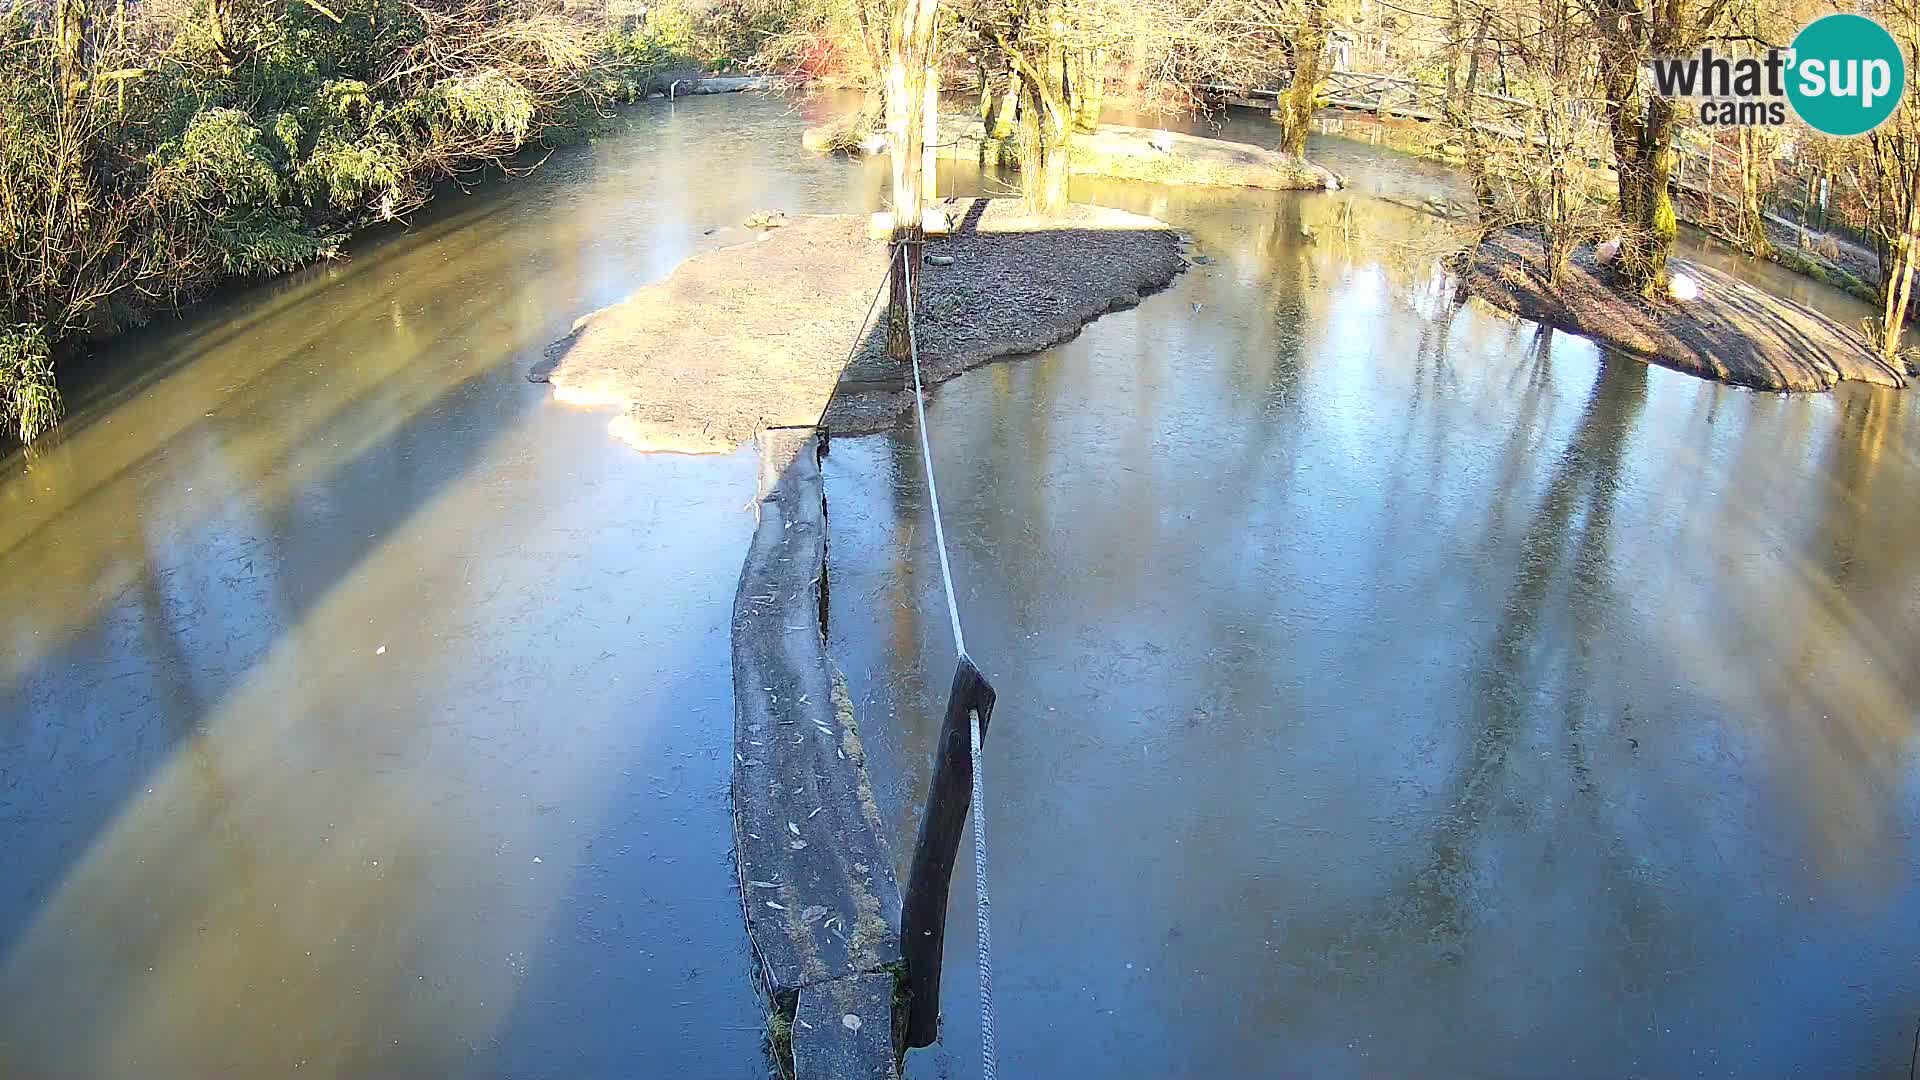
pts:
pixel 757 334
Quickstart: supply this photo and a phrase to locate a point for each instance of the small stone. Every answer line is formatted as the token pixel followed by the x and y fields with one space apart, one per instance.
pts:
pixel 850 1022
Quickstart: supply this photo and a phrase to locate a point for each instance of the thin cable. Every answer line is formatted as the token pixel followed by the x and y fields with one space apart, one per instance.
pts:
pixel 982 907
pixel 926 458
pixel 1912 1059
pixel 859 335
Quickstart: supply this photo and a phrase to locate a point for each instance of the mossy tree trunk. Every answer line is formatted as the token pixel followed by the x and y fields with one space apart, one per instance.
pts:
pixel 70 23
pixel 1653 227
pixel 1642 129
pixel 1041 62
pixel 1309 71
pixel 1643 124
pixel 1753 219
pixel 1009 107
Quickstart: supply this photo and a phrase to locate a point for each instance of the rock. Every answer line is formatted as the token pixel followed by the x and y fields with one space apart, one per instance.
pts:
pixel 848 134
pixel 731 84
pixel 1683 288
pixel 1607 252
pixel 822 139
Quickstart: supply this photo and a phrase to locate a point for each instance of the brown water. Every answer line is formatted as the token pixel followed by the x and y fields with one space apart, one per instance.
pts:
pixel 1385 689
pixel 364 712
pixel 1389 688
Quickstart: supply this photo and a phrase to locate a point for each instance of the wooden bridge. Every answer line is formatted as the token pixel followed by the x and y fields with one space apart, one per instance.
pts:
pixel 1381 95
pixel 1504 117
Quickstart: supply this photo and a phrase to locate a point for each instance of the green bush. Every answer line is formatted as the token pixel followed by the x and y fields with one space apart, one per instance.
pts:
pixel 254 135
pixel 29 401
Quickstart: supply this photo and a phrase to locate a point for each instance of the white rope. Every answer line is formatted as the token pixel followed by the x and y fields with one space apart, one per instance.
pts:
pixel 926 455
pixel 982 908
pixel 982 903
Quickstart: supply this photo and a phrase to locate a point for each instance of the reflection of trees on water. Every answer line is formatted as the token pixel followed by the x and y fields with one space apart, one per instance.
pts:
pixel 1420 928
pixel 1839 626
pixel 1548 483
pixel 1555 550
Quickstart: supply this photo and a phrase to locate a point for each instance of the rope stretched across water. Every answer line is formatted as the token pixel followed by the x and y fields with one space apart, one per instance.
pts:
pixel 989 1054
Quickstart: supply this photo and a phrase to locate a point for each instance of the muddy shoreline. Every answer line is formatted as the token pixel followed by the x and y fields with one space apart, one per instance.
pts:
pixel 1732 333
pixel 774 331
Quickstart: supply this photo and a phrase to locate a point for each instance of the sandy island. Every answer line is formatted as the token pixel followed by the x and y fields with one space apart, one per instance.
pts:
pixel 757 334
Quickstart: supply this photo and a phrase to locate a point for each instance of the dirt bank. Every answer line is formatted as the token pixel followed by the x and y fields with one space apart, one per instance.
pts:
pixel 1732 332
pixel 1170 157
pixel 757 334
pixel 1115 150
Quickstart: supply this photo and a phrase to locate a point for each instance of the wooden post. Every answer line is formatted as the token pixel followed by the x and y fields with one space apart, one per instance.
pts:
pixel 923 913
pixel 929 145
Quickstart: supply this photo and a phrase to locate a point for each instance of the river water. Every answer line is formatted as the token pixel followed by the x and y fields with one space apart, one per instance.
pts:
pixel 365 713
pixel 1386 688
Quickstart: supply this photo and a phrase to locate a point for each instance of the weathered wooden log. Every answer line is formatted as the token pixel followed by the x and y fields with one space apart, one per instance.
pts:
pixel 923 915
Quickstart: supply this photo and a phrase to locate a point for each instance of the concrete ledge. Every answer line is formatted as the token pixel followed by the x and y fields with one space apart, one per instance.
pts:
pixel 734 84
pixel 816 878
pixel 843 1030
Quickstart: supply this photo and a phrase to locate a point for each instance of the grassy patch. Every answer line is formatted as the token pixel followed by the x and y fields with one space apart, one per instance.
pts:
pixel 780 1034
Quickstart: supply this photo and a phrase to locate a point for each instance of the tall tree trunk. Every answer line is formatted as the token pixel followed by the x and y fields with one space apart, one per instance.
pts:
pixel 1619 78
pixel 1296 106
pixel 1089 85
pixel 929 142
pixel 1753 220
pixel 220 29
pixel 1046 109
pixel 1658 227
pixel 1898 285
pixel 910 79
pixel 1046 131
pixel 70 45
pixel 1462 114
pixel 1002 126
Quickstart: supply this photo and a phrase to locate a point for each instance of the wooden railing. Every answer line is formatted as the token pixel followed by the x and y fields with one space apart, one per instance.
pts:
pixel 1511 118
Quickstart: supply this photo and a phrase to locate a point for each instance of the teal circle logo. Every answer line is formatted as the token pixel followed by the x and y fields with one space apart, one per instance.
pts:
pixel 1846 75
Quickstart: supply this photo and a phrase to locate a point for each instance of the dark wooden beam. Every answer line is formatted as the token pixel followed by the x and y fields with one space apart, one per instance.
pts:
pixel 923 914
